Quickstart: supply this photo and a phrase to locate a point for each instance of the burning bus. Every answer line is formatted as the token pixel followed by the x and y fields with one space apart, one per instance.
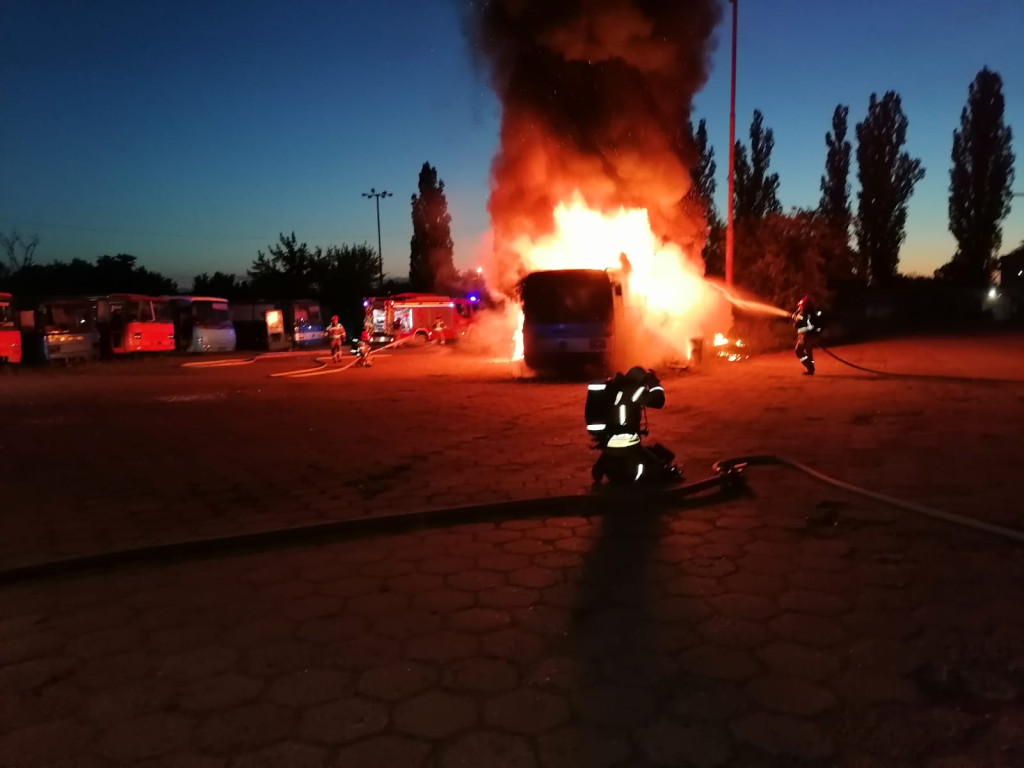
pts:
pixel 10 336
pixel 574 319
pixel 61 329
pixel 202 324
pixel 278 325
pixel 413 315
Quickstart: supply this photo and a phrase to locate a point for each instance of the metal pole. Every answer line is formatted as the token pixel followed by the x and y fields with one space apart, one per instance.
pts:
pixel 729 234
pixel 380 253
pixel 376 196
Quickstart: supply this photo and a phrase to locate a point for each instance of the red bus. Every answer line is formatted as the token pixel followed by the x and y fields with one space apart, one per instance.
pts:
pixel 10 335
pixel 413 315
pixel 131 323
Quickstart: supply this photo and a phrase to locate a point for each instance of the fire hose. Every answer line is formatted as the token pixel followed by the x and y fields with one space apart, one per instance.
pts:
pixel 922 376
pixel 729 477
pixel 323 370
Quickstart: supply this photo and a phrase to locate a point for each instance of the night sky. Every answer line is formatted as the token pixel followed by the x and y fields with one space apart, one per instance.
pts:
pixel 190 133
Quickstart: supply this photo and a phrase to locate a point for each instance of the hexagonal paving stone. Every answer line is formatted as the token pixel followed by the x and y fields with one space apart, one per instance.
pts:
pixel 244 728
pixel 344 720
pixel 513 644
pixel 475 580
pixel 613 705
pixel 290 754
pixel 204 662
pixel 744 606
pixel 376 603
pixel 704 700
pixel 308 686
pixel 739 633
pixel 572 747
pixel 491 749
pixel 807 629
pixel 534 577
pixel 395 682
pixel 44 743
pixel 480 675
pixel 865 686
pixel 435 715
pixel 477 620
pixel 146 736
pixel 791 695
pixel 667 742
pixel 443 600
pixel 718 663
pixel 221 692
pixel 526 711
pixel 792 659
pixel 811 601
pixel 784 736
pixel 508 597
pixel 384 752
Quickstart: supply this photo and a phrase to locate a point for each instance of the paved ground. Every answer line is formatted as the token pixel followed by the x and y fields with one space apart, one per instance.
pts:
pixel 796 627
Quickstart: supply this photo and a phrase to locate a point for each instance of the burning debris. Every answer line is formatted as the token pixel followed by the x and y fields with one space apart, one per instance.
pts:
pixel 596 153
pixel 733 351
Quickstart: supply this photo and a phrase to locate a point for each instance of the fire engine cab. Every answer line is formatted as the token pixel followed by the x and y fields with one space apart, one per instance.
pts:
pixel 10 335
pixel 414 316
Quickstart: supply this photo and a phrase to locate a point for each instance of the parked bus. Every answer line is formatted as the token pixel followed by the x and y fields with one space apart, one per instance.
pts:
pixel 10 336
pixel 274 325
pixel 413 315
pixel 574 319
pixel 202 324
pixel 60 329
pixel 130 323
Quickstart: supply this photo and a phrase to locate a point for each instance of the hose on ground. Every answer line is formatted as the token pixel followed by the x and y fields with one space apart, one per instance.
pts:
pixel 740 463
pixel 921 376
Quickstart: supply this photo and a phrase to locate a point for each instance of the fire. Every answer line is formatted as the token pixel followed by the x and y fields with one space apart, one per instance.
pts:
pixel 517 338
pixel 664 283
pixel 730 350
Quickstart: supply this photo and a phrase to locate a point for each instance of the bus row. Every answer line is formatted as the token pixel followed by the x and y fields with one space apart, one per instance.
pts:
pixel 87 327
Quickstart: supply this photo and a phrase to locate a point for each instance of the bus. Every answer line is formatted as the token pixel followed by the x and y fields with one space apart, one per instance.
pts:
pixel 413 315
pixel 278 325
pixel 10 336
pixel 574 319
pixel 60 330
pixel 202 324
pixel 130 323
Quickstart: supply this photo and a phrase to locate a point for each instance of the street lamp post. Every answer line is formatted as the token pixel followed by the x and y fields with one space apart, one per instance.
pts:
pixel 729 235
pixel 376 196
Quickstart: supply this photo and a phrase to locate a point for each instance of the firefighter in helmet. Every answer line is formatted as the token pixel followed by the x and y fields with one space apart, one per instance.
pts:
pixel 615 422
pixel 336 332
pixel 439 328
pixel 807 321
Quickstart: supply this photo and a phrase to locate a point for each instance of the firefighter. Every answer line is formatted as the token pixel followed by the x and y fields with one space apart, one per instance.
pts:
pixel 439 328
pixel 336 332
pixel 361 349
pixel 615 416
pixel 807 321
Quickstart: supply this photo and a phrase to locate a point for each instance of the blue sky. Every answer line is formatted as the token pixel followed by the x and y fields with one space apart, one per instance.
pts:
pixel 190 133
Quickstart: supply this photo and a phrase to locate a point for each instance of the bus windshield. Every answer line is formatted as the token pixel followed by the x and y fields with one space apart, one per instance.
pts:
pixel 211 314
pixel 6 316
pixel 68 318
pixel 566 297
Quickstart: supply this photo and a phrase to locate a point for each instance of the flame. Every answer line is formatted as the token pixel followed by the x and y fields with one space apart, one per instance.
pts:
pixel 517 338
pixel 664 283
pixel 720 340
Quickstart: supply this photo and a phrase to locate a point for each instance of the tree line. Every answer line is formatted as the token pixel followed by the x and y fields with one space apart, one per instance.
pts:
pixel 823 249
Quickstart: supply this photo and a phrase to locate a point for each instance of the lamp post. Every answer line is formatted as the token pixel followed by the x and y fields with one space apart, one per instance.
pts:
pixel 729 235
pixel 376 196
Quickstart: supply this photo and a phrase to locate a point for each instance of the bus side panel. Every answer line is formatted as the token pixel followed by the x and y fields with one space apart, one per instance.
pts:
pixel 10 345
pixel 149 337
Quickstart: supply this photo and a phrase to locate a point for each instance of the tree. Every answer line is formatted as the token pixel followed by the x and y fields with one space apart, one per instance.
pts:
pixel 835 183
pixel 221 285
pixel 431 263
pixel 980 181
pixel 756 190
pixel 290 270
pixel 782 257
pixel 702 193
pixel 346 275
pixel 887 178
pixel 17 252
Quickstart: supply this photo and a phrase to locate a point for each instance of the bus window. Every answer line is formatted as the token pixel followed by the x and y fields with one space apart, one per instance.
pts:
pixel 161 311
pixel 463 309
pixel 313 313
pixel 301 316
pixel 6 315
pixel 211 314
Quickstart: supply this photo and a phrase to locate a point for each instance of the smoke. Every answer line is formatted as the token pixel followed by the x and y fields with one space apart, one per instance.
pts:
pixel 596 98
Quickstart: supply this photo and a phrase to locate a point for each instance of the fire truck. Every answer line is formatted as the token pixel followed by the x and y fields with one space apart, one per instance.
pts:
pixel 413 316
pixel 10 336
